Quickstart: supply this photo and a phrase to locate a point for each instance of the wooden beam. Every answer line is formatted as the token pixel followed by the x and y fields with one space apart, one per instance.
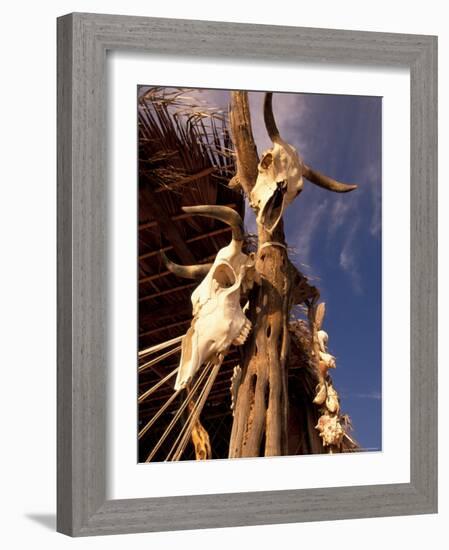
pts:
pixel 187 179
pixel 166 327
pixel 162 313
pixel 206 414
pixel 223 378
pixel 230 359
pixel 188 241
pixel 150 278
pixel 166 292
pixel 144 406
pixel 168 228
pixel 144 382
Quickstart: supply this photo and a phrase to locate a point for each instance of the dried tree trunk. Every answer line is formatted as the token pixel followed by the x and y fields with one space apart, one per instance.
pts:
pixel 261 410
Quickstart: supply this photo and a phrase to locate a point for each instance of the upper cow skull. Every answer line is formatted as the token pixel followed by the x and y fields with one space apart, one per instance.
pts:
pixel 218 319
pixel 280 176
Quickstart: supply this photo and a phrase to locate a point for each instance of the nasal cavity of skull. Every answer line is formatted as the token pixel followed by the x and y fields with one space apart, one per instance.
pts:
pixel 224 276
pixel 282 185
pixel 273 208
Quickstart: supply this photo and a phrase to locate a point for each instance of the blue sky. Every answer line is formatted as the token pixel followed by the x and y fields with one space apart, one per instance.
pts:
pixel 336 238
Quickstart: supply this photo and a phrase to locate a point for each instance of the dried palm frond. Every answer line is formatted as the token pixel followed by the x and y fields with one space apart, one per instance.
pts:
pixel 178 133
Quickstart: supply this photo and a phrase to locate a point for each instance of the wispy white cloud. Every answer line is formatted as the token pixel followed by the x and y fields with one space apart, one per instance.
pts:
pixel 288 110
pixel 345 215
pixel 311 220
pixel 373 180
pixel 375 394
pixel 347 260
pixel 338 215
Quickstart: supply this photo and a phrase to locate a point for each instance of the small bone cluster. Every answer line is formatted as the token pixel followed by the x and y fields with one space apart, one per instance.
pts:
pixel 329 426
pixel 326 397
pixel 331 431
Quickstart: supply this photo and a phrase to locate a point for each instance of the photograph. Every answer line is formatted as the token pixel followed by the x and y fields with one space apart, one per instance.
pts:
pixel 259 273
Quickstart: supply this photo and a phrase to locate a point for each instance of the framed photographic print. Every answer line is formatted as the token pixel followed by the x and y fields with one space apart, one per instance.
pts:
pixel 186 159
pixel 247 274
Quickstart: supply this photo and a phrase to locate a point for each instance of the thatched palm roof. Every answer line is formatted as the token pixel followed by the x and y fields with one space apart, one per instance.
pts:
pixel 185 159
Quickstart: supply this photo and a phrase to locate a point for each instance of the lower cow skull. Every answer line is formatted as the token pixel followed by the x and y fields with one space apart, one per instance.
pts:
pixel 218 319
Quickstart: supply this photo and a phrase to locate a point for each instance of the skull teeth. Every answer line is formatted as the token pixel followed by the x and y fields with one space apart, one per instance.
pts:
pixel 241 338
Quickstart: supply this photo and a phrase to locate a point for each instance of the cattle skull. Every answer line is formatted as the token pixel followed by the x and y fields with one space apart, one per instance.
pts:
pixel 218 319
pixel 279 181
pixel 280 176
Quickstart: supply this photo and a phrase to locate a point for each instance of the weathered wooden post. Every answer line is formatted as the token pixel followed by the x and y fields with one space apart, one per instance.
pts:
pixel 260 412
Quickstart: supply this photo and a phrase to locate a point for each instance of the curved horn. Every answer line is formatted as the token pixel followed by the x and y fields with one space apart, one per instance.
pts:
pixel 187 271
pixel 222 213
pixel 268 116
pixel 326 182
pixel 312 175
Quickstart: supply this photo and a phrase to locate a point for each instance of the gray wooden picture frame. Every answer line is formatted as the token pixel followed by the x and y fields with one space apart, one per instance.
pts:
pixel 83 40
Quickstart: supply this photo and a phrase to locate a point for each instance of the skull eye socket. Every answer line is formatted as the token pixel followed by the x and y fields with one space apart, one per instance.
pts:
pixel 266 161
pixel 224 276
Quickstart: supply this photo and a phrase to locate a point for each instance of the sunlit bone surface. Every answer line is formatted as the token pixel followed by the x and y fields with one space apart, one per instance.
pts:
pixel 327 359
pixel 218 319
pixel 278 182
pixel 330 430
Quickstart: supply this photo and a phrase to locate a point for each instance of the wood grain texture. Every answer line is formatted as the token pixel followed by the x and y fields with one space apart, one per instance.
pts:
pixel 64 278
pixel 83 40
